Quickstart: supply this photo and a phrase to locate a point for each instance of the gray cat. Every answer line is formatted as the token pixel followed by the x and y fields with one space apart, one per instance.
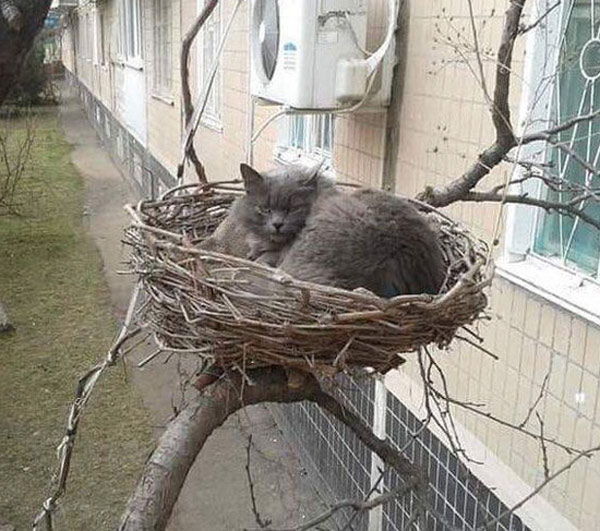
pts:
pixel 368 239
pixel 262 224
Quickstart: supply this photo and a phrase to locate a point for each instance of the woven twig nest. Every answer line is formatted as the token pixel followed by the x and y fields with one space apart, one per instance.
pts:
pixel 241 314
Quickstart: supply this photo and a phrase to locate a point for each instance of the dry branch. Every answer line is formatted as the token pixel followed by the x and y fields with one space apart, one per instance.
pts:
pixel 188 106
pixel 357 506
pixel 566 209
pixel 152 503
pixel 505 139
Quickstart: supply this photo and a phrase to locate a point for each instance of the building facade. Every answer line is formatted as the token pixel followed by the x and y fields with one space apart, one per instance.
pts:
pixel 123 56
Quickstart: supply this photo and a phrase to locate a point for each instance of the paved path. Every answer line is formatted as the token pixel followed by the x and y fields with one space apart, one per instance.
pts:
pixel 216 495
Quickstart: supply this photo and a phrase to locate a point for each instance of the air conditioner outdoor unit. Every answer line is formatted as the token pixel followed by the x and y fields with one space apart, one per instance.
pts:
pixel 309 54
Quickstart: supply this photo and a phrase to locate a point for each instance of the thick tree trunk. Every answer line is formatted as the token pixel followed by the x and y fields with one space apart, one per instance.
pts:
pixel 20 22
pixel 152 503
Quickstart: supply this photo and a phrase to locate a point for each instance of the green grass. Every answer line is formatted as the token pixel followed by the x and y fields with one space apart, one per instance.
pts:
pixel 52 284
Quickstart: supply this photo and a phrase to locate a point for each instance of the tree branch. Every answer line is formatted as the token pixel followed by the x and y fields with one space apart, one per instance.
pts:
pixel 262 524
pixel 553 131
pixel 505 139
pixel 568 209
pixel 188 106
pixel 151 505
pixel 478 53
pixel 492 523
pixel 356 505
pixel 525 28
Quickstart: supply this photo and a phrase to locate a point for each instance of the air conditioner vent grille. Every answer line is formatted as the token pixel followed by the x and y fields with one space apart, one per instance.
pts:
pixel 267 26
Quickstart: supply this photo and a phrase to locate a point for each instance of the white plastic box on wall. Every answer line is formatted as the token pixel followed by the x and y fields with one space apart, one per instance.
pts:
pixel 307 54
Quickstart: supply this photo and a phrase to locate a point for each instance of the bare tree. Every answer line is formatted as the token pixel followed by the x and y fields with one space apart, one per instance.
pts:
pixel 20 22
pixel 15 155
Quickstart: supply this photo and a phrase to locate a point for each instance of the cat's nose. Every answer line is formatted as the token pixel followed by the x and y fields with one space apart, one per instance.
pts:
pixel 277 225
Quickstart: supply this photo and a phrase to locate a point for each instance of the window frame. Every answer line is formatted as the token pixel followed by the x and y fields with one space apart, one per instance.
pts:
pixel 162 87
pixel 131 33
pixel 212 117
pixel 565 285
pixel 83 37
pixel 99 30
pixel 309 149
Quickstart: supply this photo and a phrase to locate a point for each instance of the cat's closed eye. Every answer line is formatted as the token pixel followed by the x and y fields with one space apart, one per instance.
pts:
pixel 263 211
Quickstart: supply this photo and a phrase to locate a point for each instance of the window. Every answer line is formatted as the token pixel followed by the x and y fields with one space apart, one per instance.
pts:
pixel 162 46
pixel 89 36
pixel 576 92
pixel 99 58
pixel 83 36
pixel 130 30
pixel 552 255
pixel 306 135
pixel 211 37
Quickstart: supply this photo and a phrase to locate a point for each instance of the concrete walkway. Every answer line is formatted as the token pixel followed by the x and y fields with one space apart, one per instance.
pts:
pixel 216 495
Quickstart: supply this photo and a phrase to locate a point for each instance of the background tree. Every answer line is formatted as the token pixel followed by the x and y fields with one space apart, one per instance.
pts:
pixel 20 22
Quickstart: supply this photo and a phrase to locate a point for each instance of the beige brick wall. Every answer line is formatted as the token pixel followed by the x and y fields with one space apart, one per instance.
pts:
pixel 97 77
pixel 164 111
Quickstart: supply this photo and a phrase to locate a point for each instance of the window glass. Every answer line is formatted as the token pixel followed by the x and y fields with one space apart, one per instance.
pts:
pixel 162 46
pixel 211 37
pixel 130 21
pixel 576 93
pixel 309 134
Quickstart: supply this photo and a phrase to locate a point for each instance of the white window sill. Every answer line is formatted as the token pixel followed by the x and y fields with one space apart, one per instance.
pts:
pixel 212 122
pixel 566 289
pixel 284 155
pixel 164 99
pixel 135 64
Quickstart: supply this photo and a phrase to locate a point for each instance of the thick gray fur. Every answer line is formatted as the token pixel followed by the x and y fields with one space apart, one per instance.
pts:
pixel 368 239
pixel 275 208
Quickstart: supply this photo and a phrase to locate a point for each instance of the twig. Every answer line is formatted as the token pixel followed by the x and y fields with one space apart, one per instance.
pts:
pixel 563 208
pixel 188 106
pixel 544 447
pixel 477 53
pixel 261 523
pixel 538 489
pixel 525 28
pixel 505 139
pixel 356 505
pixel 536 402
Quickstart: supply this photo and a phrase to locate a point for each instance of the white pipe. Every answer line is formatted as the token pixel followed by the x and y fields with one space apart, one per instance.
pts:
pixel 377 56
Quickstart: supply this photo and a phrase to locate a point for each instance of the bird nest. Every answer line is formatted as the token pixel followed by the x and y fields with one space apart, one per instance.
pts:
pixel 240 314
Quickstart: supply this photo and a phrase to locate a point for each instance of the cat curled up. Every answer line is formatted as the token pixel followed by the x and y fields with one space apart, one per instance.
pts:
pixel 368 239
pixel 294 218
pixel 263 223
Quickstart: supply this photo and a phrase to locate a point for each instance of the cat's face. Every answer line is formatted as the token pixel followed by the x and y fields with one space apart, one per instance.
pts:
pixel 278 202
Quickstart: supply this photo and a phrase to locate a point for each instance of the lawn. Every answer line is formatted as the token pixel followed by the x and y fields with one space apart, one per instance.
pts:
pixel 52 284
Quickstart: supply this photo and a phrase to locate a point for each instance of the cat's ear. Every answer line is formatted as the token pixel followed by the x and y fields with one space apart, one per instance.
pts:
pixel 313 174
pixel 254 182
